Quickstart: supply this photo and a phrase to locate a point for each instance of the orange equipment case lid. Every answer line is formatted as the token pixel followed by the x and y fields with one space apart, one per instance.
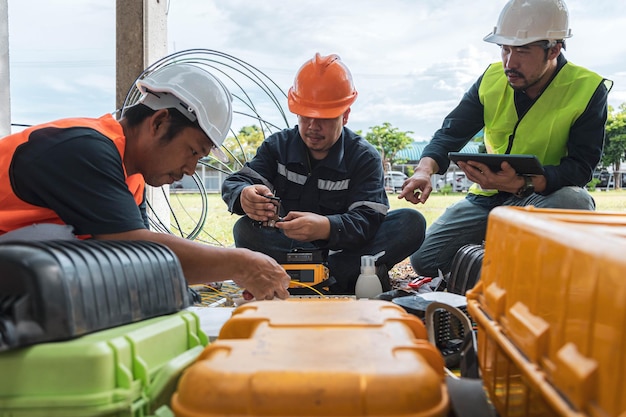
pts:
pixel 316 357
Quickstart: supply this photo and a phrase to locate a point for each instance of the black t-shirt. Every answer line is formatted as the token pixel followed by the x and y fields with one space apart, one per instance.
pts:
pixel 77 173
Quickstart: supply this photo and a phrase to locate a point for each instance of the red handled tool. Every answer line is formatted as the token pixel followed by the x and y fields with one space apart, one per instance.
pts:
pixel 419 281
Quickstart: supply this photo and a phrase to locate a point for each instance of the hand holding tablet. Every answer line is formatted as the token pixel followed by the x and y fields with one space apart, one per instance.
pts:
pixel 523 164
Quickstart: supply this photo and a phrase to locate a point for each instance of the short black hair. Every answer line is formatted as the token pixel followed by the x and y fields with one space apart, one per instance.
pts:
pixel 549 44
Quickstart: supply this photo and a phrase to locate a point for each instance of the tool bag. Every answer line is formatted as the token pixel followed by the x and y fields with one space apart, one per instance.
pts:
pixel 61 289
pixel 465 268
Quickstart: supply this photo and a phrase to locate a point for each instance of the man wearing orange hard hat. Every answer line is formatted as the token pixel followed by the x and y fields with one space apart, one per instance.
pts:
pixel 330 184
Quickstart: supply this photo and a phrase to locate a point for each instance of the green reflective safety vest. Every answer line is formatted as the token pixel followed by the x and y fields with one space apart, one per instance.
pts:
pixel 544 130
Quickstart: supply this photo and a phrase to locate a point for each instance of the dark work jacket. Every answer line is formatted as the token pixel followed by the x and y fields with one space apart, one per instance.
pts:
pixel 347 186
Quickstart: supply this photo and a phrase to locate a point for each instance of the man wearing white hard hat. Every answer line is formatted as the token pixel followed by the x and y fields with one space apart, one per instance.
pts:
pixel 88 175
pixel 533 102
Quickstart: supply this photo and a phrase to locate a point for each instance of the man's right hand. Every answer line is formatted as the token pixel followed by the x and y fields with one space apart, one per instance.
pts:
pixel 261 275
pixel 418 187
pixel 255 203
pixel 254 271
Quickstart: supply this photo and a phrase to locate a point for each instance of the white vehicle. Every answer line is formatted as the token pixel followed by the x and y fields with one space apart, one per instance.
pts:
pixel 394 181
pixel 457 179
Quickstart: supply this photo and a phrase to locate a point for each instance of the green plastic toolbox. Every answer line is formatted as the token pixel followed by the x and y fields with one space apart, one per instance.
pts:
pixel 129 370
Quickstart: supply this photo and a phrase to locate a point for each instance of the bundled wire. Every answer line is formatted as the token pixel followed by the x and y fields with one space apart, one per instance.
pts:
pixel 221 294
pixel 255 97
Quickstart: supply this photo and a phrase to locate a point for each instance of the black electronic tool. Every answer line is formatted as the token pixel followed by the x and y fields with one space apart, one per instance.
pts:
pixel 307 267
pixel 272 222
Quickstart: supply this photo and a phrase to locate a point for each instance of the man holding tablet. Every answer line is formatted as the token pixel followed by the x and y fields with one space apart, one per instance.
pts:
pixel 532 103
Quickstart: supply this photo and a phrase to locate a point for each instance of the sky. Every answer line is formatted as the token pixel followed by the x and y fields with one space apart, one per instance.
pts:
pixel 411 60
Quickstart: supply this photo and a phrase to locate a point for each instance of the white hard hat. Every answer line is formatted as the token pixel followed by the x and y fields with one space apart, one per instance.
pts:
pixel 194 92
pixel 525 21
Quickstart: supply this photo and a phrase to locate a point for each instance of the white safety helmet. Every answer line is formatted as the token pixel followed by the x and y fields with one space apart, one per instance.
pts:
pixel 525 21
pixel 194 92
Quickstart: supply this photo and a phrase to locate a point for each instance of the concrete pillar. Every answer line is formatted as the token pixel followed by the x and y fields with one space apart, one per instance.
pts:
pixel 141 39
pixel 5 79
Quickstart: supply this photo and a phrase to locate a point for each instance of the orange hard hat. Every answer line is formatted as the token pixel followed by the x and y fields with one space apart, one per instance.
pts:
pixel 322 89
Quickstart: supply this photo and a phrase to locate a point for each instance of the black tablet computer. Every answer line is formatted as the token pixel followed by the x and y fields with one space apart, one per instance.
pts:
pixel 523 164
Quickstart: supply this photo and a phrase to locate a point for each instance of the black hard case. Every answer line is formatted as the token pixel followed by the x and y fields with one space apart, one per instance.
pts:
pixel 465 268
pixel 58 290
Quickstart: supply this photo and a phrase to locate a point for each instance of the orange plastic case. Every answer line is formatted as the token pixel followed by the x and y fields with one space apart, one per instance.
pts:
pixel 551 311
pixel 316 357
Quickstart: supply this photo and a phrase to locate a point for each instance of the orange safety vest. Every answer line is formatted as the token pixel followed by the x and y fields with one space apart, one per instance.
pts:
pixel 16 213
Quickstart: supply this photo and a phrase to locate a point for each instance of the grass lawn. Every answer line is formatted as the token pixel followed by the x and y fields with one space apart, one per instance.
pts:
pixel 217 228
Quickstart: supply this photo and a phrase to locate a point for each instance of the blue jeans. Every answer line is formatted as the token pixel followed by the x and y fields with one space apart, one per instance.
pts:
pixel 465 222
pixel 400 234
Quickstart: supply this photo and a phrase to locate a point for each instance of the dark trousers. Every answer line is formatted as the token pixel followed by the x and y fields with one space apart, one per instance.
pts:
pixel 400 234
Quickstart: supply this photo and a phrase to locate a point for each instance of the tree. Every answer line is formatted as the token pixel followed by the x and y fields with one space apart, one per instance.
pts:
pixel 615 145
pixel 388 141
pixel 243 146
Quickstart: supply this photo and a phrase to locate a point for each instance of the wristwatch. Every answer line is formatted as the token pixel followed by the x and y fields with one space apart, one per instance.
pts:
pixel 527 189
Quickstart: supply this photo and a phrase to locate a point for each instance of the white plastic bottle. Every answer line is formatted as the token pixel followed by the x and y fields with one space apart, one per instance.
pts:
pixel 367 284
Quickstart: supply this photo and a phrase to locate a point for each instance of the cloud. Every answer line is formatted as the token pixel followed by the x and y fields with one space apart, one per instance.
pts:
pixel 395 50
pixel 411 60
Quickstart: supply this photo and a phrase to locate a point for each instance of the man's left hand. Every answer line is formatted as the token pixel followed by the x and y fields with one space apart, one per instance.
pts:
pixel 305 226
pixel 504 180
